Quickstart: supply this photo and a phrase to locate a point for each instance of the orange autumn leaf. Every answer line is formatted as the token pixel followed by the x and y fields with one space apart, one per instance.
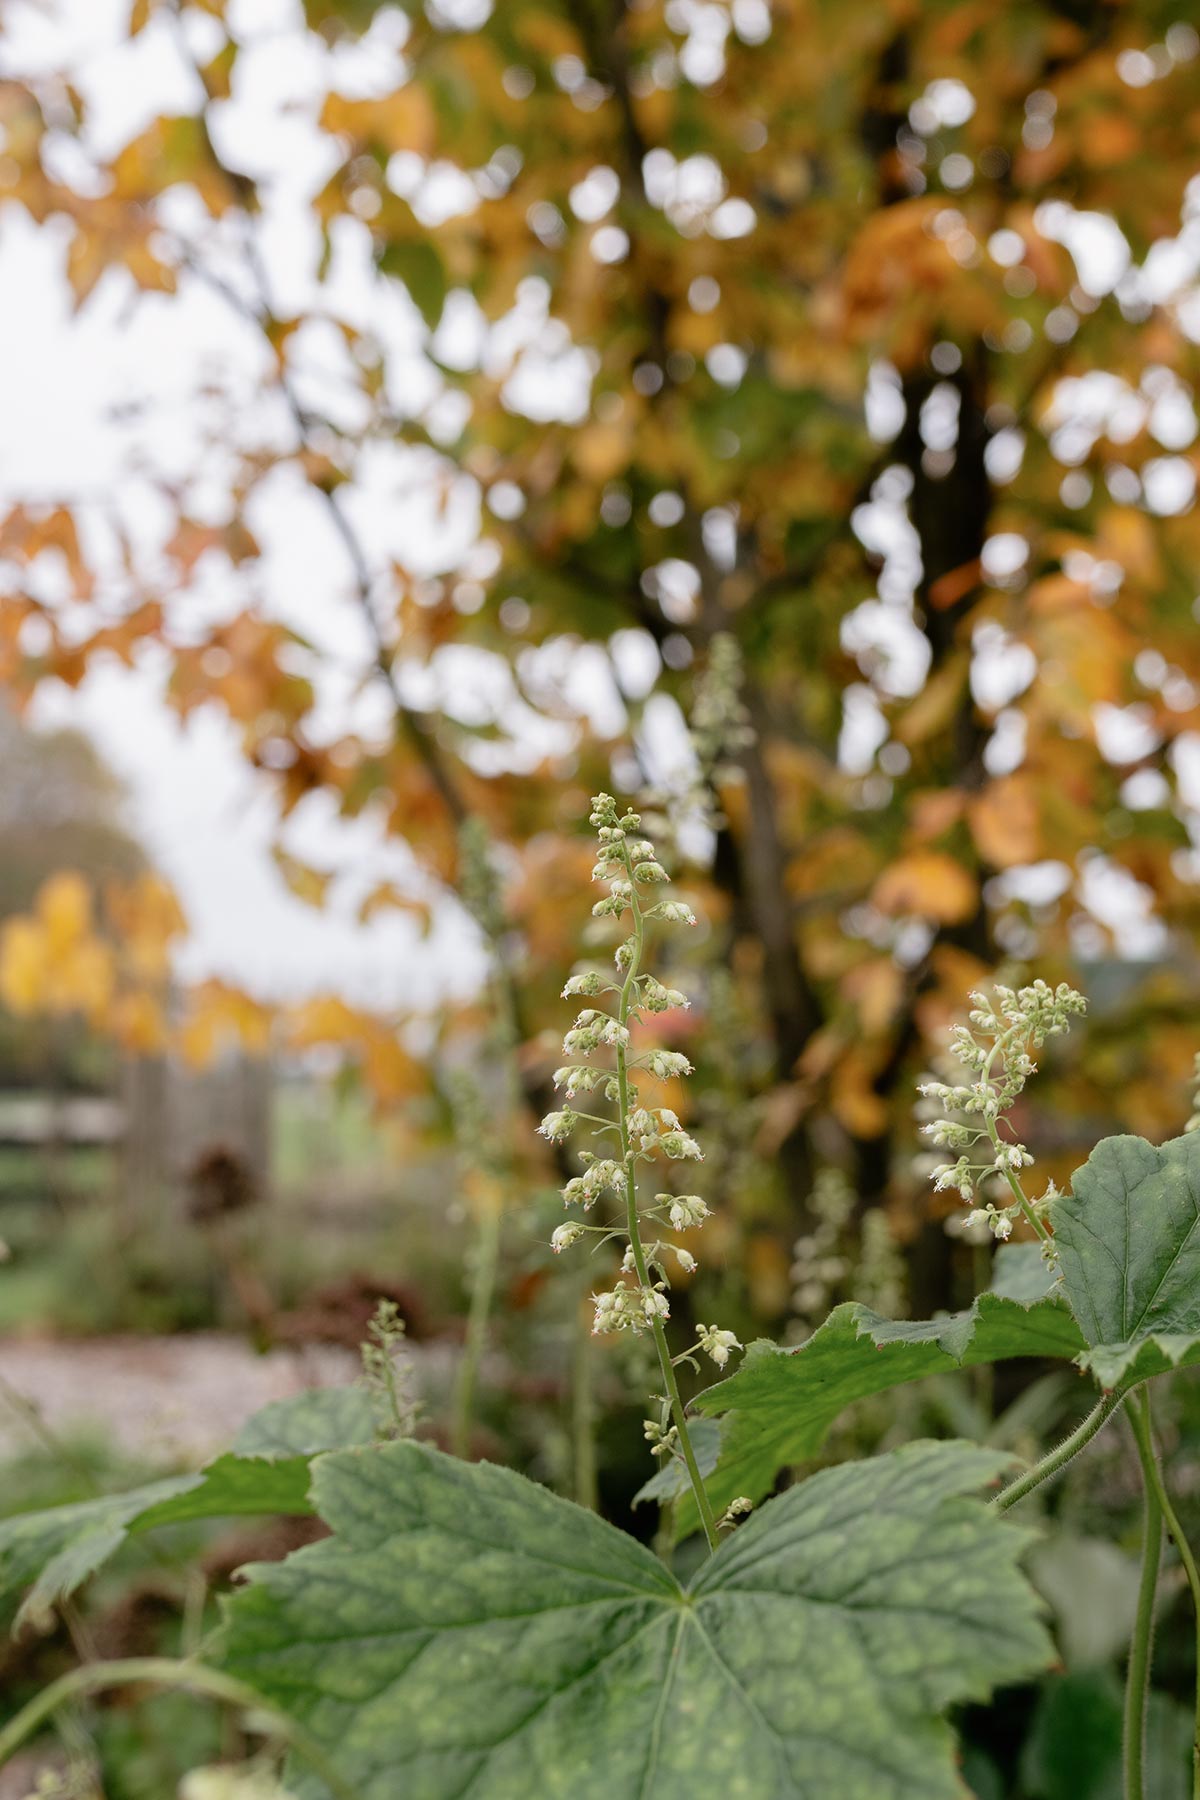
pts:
pixel 1004 821
pixel 928 884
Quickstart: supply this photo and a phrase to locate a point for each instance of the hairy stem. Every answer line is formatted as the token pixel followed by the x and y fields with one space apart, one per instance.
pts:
pixel 483 1283
pixel 163 1671
pixel 670 1384
pixel 1144 1432
pixel 1018 1192
pixel 1061 1455
pixel 1141 1648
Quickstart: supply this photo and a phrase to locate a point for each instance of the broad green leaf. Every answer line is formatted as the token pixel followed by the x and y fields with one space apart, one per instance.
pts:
pixel 467 1633
pixel 52 1553
pixel 778 1407
pixel 1128 1238
pixel 334 1418
pixel 1021 1272
pixel 65 1544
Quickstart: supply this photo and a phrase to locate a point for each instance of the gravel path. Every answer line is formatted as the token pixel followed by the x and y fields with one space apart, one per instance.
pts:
pixel 168 1400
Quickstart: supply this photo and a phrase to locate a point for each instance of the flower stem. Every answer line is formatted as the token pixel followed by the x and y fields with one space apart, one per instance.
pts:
pixel 1060 1456
pixel 1137 1676
pixel 1143 1430
pixel 1018 1192
pixel 483 1284
pixel 671 1386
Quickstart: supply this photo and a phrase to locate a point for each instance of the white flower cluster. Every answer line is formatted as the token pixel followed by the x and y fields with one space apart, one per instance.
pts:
pixel 626 863
pixel 843 1257
pixel 994 1049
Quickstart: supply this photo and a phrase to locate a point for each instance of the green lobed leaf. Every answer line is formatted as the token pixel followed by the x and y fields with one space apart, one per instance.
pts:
pixel 1128 1240
pixel 334 1418
pixel 47 1555
pixel 52 1552
pixel 778 1407
pixel 468 1633
pixel 1021 1272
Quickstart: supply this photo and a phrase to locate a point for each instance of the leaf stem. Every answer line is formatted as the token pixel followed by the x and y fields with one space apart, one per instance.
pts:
pixel 1061 1455
pixel 164 1671
pixel 1143 1430
pixel 1141 1648
pixel 671 1385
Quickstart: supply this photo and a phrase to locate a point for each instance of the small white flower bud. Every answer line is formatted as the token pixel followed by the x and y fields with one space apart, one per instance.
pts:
pixel 592 982
pixel 717 1343
pixel 673 912
pixel 563 1236
pixel 685 1211
pixel 680 1147
pixel 558 1126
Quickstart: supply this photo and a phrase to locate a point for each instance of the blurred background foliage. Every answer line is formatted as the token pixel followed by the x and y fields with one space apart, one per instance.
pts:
pixel 806 394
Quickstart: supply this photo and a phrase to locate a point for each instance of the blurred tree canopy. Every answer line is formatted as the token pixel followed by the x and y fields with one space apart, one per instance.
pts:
pixel 861 335
pixel 60 807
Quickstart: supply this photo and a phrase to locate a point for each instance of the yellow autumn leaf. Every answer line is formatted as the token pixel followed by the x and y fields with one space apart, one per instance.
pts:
pixel 928 884
pixel 308 884
pixel 22 966
pixel 64 911
pixel 1004 822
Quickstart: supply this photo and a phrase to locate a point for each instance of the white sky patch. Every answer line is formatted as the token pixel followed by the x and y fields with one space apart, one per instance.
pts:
pixel 1036 884
pixel 1001 667
pixel 864 729
pixel 1095 241
pixel 1119 901
pixel 1125 734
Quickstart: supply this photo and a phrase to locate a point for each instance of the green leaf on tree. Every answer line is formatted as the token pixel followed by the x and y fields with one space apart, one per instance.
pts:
pixel 1128 1241
pixel 416 262
pixel 467 1632
pixel 778 1407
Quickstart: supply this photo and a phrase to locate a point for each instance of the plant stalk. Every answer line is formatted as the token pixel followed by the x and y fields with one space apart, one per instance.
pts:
pixel 1018 1192
pixel 1143 1428
pixel 671 1385
pixel 1060 1456
pixel 164 1671
pixel 1141 1648
pixel 483 1285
